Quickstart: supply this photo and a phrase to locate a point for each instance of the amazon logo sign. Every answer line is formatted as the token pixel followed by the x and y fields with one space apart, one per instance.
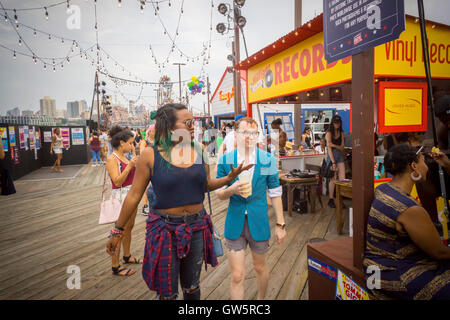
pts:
pixel 402 106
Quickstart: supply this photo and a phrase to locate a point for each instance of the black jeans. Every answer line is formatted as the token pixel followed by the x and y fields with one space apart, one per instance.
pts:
pixel 188 269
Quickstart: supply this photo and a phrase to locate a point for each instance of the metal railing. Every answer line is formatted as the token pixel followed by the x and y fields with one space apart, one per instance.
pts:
pixel 35 120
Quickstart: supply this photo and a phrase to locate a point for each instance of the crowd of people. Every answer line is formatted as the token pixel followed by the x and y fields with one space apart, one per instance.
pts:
pixel 170 173
pixel 176 174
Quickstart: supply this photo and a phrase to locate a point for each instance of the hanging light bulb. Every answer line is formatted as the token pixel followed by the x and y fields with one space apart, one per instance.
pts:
pixel 53 62
pixel 62 40
pixel 170 4
pixel 14 55
pixel 15 17
pixel 120 4
pixel 20 41
pixel 45 66
pixel 142 8
pixel 68 5
pixel 62 66
pixel 68 60
pixel 6 18
pixel 34 33
pixel 54 69
pixel 49 37
pixel 46 13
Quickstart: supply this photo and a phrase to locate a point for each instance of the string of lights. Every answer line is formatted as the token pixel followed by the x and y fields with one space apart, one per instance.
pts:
pixel 67 3
pixel 162 65
pixel 105 72
pixel 101 54
pixel 54 60
pixel 172 39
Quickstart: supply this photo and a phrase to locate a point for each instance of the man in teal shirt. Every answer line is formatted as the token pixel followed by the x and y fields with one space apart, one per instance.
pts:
pixel 247 220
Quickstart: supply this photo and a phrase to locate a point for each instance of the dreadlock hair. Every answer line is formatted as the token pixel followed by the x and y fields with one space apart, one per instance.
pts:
pixel 165 120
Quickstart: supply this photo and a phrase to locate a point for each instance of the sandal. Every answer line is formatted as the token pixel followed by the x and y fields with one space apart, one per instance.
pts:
pixel 134 261
pixel 117 271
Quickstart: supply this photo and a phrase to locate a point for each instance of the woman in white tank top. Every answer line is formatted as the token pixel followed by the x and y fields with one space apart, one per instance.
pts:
pixel 57 148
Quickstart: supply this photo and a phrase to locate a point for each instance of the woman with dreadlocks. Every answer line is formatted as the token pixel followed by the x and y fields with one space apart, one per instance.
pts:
pixel 179 231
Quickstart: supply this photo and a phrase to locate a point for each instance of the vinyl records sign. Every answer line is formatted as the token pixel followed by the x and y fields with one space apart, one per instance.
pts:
pixel 352 26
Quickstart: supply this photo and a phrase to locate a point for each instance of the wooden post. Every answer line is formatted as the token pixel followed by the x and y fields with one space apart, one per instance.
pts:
pixel 98 101
pixel 236 112
pixel 237 55
pixel 363 148
pixel 297 107
pixel 207 93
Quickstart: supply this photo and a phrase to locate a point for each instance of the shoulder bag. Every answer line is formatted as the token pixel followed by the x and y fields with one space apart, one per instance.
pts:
pixel 217 239
pixel 326 171
pixel 109 209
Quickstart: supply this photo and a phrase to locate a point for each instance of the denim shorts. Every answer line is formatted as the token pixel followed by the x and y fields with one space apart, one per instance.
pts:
pixel 338 156
pixel 187 269
pixel 246 238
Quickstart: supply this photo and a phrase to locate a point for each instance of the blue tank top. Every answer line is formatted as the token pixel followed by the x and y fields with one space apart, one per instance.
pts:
pixel 175 186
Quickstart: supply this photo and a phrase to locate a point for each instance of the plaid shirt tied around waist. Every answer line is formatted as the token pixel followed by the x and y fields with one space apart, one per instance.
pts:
pixel 156 268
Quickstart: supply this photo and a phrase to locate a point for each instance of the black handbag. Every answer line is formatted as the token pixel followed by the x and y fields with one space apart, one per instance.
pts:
pixel 326 171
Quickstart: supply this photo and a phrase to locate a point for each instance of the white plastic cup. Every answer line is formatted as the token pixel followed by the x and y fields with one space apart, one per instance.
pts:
pixel 245 177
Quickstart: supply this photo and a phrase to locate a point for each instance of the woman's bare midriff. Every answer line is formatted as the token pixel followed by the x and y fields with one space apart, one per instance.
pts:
pixel 183 210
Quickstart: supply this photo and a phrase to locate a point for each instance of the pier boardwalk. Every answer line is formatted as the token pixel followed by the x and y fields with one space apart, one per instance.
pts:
pixel 51 225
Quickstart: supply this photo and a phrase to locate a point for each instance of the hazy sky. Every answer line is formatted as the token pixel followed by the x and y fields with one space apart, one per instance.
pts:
pixel 126 34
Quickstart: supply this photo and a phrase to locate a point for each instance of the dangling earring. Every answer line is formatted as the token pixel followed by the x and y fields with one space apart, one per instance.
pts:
pixel 415 178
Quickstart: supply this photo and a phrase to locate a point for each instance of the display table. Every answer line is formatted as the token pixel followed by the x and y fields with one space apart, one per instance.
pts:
pixel 343 189
pixel 292 183
pixel 300 162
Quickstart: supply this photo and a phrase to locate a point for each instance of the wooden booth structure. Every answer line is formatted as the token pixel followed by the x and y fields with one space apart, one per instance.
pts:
pixel 27 147
pixel 293 70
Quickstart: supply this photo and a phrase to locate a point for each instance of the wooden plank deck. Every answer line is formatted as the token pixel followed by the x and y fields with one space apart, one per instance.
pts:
pixel 50 225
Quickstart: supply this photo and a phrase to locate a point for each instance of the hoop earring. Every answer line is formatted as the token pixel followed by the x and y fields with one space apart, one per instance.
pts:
pixel 415 178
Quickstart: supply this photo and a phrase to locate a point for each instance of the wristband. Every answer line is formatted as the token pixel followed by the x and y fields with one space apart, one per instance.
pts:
pixel 115 233
pixel 118 228
pixel 282 226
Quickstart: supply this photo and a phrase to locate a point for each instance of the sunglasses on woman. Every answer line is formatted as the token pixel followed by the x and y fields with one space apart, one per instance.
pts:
pixel 188 122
